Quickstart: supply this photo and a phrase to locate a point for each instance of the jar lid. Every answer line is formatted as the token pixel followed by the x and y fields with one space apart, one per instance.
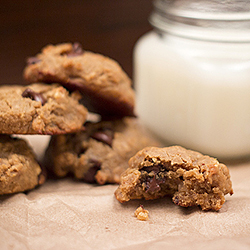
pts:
pixel 223 20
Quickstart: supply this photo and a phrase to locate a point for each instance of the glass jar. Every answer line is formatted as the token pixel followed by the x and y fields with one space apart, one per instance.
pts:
pixel 192 75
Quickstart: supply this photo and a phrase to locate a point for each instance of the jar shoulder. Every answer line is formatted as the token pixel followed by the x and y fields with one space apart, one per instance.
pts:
pixel 150 39
pixel 152 45
pixel 164 45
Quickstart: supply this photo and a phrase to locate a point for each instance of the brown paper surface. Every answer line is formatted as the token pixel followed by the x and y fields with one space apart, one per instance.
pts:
pixel 67 214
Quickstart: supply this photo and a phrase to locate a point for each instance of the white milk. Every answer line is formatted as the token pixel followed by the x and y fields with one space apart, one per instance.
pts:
pixel 195 93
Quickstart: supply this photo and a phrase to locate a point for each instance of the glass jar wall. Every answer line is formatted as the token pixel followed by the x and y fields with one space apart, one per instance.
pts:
pixel 192 75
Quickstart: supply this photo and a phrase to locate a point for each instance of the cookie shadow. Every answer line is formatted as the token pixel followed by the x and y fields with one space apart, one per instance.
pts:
pixel 163 204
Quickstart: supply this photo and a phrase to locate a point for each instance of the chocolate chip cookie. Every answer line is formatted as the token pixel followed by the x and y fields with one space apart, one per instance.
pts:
pixel 106 88
pixel 19 170
pixel 188 176
pixel 100 153
pixel 40 109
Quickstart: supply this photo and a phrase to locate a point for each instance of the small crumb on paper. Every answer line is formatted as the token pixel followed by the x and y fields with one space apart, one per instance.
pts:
pixel 141 213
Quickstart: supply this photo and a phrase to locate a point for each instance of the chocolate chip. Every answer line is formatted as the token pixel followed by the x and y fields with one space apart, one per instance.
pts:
pixel 29 93
pixel 106 136
pixel 89 176
pixel 33 60
pixel 152 185
pixel 76 50
pixel 153 178
pixel 81 151
pixel 176 200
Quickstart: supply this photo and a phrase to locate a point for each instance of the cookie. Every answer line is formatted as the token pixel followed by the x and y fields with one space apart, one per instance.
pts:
pixel 105 87
pixel 188 176
pixel 40 109
pixel 100 153
pixel 19 170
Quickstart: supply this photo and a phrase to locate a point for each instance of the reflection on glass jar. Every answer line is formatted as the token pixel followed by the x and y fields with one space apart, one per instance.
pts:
pixel 192 75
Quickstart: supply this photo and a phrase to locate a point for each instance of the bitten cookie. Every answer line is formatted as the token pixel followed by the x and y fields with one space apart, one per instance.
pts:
pixel 106 88
pixel 100 153
pixel 19 170
pixel 188 176
pixel 40 109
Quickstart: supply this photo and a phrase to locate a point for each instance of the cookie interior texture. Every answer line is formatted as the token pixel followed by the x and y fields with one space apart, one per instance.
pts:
pixel 40 108
pixel 19 170
pixel 189 177
pixel 105 87
pixel 101 152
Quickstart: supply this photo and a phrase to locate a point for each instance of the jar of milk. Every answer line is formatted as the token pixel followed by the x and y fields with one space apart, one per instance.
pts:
pixel 192 75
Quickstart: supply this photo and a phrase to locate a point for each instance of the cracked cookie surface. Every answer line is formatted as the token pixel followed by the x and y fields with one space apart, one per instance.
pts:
pixel 101 152
pixel 40 109
pixel 189 177
pixel 106 88
pixel 19 170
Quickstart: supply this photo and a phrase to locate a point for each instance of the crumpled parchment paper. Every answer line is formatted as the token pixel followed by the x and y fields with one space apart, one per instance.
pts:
pixel 69 214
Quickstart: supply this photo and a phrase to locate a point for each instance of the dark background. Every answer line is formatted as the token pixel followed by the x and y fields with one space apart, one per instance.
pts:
pixel 109 27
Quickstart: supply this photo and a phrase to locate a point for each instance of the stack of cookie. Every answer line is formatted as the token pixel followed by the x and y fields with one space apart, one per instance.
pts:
pixel 32 109
pixel 66 85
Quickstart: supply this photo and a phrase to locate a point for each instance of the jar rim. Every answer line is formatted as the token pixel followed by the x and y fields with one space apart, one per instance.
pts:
pixel 198 21
pixel 205 9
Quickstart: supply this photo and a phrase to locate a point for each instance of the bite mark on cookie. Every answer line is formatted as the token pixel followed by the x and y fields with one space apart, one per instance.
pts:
pixel 190 178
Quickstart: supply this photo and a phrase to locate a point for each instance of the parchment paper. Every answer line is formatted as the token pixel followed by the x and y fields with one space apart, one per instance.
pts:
pixel 68 214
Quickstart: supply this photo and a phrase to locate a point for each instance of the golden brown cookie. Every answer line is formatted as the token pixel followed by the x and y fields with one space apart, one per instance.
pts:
pixel 101 152
pixel 188 176
pixel 40 109
pixel 105 87
pixel 19 170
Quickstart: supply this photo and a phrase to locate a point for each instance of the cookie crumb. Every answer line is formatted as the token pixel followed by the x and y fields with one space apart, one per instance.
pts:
pixel 141 213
